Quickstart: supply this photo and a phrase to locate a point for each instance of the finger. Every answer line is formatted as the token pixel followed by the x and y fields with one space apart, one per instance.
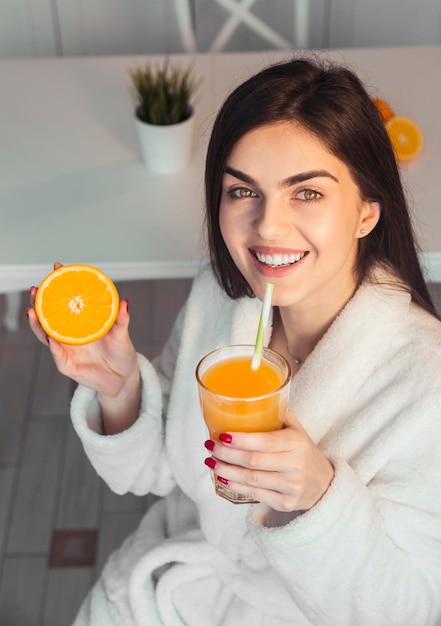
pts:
pixel 248 477
pixel 32 294
pixel 276 500
pixel 269 487
pixel 272 441
pixel 34 325
pixel 123 317
pixel 120 328
pixel 254 460
pixel 59 355
pixel 57 265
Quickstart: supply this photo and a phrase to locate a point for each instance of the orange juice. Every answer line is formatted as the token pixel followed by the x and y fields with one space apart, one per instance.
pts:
pixel 234 378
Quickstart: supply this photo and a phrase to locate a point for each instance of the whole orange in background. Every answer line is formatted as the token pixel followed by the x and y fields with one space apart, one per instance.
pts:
pixel 406 137
pixel 76 304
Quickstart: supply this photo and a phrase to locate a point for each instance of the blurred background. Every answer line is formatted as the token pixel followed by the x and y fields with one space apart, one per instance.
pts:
pixel 50 28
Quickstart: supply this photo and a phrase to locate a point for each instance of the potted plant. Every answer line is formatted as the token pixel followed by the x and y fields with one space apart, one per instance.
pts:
pixel 164 114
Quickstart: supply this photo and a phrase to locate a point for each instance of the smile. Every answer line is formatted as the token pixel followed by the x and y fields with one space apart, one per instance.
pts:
pixel 279 260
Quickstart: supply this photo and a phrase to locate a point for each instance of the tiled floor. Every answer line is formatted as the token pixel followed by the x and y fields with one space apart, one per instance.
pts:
pixel 46 483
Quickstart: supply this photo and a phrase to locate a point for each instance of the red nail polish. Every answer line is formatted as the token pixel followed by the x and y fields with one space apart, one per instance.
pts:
pixel 127 305
pixel 211 463
pixel 225 438
pixel 209 445
pixel 222 480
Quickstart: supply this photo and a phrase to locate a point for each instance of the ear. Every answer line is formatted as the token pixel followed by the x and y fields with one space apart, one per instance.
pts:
pixel 369 215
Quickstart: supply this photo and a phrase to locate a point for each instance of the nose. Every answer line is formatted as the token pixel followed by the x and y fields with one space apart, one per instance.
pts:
pixel 273 220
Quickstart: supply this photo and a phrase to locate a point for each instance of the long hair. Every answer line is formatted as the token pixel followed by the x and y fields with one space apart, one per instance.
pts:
pixel 330 102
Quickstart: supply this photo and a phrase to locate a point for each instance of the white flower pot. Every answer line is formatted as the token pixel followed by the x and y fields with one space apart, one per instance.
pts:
pixel 167 149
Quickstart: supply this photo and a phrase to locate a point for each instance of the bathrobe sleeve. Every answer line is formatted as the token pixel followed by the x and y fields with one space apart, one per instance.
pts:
pixel 134 460
pixel 368 553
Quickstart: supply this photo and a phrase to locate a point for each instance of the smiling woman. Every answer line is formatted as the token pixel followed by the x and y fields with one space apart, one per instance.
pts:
pixel 285 196
pixel 302 191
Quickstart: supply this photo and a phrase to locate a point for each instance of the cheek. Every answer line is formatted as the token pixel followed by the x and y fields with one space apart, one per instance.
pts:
pixel 334 236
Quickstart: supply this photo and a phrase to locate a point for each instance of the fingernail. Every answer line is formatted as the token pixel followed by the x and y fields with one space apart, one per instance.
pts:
pixel 48 340
pixel 222 480
pixel 27 313
pixel 127 305
pixel 211 463
pixel 225 438
pixel 209 445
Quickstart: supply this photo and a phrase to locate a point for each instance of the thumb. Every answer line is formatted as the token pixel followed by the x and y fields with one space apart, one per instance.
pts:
pixel 59 354
pixel 123 318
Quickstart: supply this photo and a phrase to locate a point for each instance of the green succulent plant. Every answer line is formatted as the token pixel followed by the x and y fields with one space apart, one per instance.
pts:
pixel 162 94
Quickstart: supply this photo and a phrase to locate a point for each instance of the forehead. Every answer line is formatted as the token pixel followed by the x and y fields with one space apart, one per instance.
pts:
pixel 289 136
pixel 283 149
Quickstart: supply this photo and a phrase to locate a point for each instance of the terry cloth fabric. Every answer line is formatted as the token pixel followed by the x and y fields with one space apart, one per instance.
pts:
pixel 368 553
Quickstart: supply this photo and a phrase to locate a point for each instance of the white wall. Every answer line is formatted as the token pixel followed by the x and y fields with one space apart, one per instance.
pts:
pixel 359 23
pixel 32 28
pixel 26 28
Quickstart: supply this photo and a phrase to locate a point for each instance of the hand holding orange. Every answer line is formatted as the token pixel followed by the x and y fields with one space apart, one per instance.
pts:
pixel 76 304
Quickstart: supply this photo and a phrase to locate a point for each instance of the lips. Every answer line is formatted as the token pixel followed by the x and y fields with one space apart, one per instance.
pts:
pixel 278 259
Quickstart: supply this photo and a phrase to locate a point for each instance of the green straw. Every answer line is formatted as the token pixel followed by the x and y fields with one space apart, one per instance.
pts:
pixel 264 314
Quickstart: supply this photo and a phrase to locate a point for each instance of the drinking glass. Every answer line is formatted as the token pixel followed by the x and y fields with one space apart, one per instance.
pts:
pixel 236 398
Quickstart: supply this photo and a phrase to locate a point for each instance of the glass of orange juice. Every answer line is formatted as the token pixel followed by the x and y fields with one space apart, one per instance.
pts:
pixel 235 397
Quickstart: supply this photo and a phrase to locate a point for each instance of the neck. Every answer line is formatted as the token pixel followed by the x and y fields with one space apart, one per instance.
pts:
pixel 303 329
pixel 300 335
pixel 298 328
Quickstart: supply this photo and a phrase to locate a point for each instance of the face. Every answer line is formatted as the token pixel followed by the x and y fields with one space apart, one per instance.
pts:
pixel 291 214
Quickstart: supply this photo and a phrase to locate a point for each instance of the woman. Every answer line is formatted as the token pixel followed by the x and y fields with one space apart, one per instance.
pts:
pixel 302 189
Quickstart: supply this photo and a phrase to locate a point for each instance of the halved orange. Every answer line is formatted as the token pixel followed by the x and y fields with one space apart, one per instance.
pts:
pixel 384 108
pixel 76 304
pixel 406 137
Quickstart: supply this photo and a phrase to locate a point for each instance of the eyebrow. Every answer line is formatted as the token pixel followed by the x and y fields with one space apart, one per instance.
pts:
pixel 286 182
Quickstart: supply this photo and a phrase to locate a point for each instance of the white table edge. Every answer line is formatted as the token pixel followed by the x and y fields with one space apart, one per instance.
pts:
pixel 14 279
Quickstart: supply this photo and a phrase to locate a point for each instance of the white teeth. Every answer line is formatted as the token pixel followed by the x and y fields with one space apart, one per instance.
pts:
pixel 278 260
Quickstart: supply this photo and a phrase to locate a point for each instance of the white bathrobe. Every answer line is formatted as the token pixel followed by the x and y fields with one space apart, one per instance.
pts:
pixel 368 554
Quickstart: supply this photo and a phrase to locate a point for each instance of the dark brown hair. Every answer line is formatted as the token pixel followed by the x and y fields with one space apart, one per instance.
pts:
pixel 330 102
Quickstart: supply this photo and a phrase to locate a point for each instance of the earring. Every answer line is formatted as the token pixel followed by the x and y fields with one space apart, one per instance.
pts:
pixel 362 231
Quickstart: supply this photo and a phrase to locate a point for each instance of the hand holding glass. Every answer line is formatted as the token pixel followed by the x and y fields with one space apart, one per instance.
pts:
pixel 234 397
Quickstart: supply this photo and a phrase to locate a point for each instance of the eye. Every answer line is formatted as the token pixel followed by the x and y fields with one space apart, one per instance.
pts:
pixel 242 192
pixel 309 195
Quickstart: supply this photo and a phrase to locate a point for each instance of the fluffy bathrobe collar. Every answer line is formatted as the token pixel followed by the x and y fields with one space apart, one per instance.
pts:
pixel 367 398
